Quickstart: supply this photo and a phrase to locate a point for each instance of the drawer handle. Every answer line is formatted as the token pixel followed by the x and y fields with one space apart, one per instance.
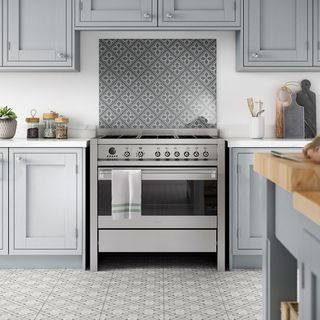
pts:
pixel 255 55
pixel 169 15
pixel 147 15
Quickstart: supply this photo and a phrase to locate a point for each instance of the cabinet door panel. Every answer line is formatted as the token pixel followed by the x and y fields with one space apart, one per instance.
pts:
pixel 45 203
pixel 249 204
pixel 38 33
pixel 310 274
pixel 120 13
pixel 316 33
pixel 3 201
pixel 200 13
pixel 277 32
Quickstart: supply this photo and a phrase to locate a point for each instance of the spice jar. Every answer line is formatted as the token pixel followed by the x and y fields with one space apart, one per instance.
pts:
pixel 33 125
pixel 61 127
pixel 49 124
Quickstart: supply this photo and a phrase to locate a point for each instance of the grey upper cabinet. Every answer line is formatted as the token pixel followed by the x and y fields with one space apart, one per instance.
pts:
pixel 115 13
pixel 38 33
pixel 316 33
pixel 276 34
pixel 3 201
pixel 200 13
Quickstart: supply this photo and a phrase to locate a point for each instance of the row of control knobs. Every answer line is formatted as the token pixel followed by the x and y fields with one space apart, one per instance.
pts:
pixel 157 154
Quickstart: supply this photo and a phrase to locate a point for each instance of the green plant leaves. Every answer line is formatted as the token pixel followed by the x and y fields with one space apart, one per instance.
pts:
pixel 7 113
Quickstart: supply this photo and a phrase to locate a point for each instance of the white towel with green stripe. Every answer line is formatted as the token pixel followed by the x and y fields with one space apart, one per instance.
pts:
pixel 126 194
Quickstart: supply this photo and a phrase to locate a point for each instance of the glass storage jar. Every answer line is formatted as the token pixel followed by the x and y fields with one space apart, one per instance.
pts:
pixel 33 125
pixel 61 127
pixel 49 124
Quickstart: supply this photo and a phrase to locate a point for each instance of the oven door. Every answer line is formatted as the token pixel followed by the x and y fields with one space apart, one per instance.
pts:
pixel 177 198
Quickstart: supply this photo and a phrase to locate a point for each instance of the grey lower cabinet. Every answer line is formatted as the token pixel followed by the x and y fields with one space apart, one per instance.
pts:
pixel 200 13
pixel 276 35
pixel 309 266
pixel 3 201
pixel 45 202
pixel 39 34
pixel 115 13
pixel 246 208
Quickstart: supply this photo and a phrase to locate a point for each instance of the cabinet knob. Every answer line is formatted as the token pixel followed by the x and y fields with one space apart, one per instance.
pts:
pixel 147 15
pixel 61 55
pixel 19 159
pixel 169 15
pixel 255 55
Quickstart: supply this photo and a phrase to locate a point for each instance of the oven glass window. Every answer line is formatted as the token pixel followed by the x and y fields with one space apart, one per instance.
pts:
pixel 169 198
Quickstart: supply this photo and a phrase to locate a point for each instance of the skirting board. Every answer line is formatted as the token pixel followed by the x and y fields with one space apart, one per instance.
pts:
pixel 41 262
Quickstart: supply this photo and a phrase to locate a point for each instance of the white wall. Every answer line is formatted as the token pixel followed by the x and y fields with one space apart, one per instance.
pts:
pixel 76 95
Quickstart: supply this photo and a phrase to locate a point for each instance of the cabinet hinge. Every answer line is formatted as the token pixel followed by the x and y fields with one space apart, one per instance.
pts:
pixel 319 45
pixel 238 168
pixel 76 169
pixel 81 5
pixel 238 233
pixel 235 5
pixel 307 45
pixel 76 233
pixel 9 45
pixel 302 276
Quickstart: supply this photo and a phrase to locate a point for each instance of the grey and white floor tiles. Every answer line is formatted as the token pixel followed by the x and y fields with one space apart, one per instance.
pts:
pixel 133 287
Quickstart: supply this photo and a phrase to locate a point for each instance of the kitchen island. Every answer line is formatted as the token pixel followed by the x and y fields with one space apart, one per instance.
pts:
pixel 291 202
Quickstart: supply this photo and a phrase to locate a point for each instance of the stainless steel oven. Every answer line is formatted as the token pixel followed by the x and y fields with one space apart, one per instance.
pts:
pixel 183 182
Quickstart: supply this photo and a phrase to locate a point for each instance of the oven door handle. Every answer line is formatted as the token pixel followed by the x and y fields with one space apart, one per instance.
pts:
pixel 165 174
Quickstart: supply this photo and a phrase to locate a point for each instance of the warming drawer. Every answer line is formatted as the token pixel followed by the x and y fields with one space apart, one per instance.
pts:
pixel 157 241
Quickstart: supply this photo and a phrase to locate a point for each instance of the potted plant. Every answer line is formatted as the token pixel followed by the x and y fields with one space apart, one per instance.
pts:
pixel 8 123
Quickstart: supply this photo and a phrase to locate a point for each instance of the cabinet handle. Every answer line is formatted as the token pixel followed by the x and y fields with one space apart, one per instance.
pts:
pixel 169 15
pixel 19 159
pixel 147 15
pixel 255 55
pixel 61 55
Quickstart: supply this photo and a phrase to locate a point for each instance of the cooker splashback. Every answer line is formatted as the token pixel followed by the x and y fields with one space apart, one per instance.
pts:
pixel 157 83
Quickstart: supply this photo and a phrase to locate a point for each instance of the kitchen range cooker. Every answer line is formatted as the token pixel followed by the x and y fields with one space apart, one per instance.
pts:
pixel 183 192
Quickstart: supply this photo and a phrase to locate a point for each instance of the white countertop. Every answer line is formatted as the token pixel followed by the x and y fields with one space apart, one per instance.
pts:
pixel 44 143
pixel 266 143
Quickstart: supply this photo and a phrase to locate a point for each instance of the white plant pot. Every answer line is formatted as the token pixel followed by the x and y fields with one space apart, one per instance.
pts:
pixel 7 128
pixel 257 128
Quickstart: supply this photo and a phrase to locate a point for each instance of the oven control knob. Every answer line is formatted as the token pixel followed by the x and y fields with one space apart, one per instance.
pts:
pixel 127 154
pixel 176 153
pixel 196 154
pixel 167 154
pixel 157 154
pixel 140 154
pixel 186 154
pixel 206 154
pixel 112 150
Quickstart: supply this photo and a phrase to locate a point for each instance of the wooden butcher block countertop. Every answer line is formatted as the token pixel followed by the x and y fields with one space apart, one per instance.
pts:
pixel 301 178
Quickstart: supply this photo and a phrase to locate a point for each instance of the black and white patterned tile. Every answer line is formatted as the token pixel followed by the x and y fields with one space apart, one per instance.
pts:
pixel 131 287
pixel 157 83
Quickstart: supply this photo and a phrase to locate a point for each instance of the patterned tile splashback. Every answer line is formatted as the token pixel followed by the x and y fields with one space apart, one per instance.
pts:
pixel 157 83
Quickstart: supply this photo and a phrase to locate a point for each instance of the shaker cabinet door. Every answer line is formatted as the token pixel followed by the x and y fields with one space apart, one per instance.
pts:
pixel 116 13
pixel 206 13
pixel 44 208
pixel 316 33
pixel 3 201
pixel 37 33
pixel 249 204
pixel 277 33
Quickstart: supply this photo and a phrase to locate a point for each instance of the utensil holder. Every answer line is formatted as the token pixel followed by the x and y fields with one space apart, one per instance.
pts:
pixel 257 128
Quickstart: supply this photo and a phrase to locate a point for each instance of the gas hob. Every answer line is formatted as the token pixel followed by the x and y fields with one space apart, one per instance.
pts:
pixel 155 145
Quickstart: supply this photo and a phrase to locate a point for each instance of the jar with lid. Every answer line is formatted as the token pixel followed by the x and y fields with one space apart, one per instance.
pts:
pixel 61 127
pixel 49 124
pixel 33 125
